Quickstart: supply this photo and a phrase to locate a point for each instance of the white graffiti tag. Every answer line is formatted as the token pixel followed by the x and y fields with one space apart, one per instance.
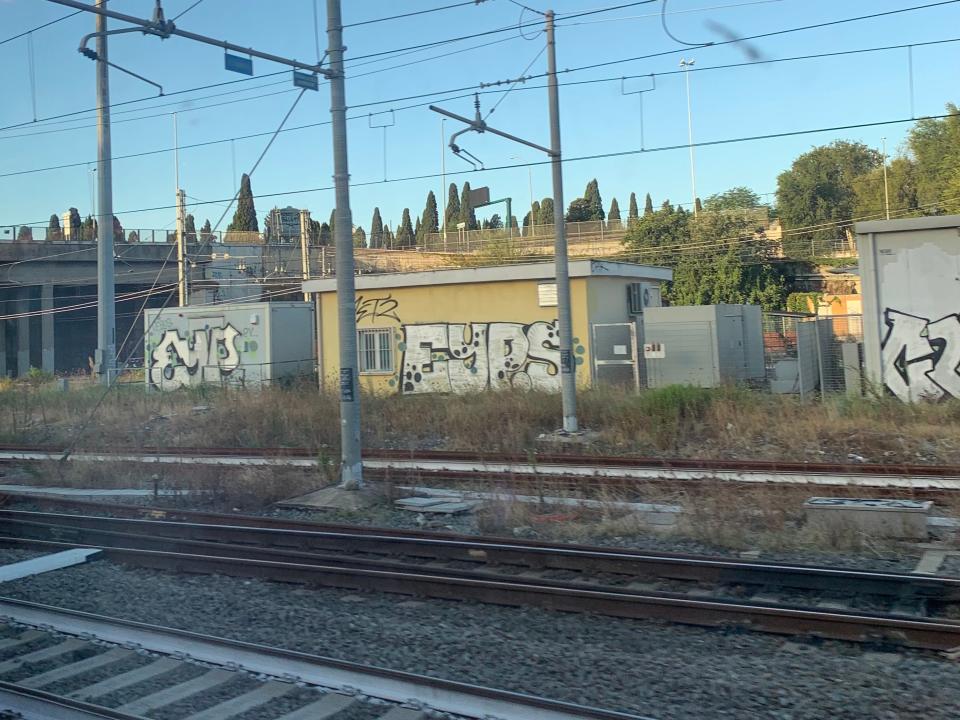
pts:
pixel 921 359
pixel 460 358
pixel 211 355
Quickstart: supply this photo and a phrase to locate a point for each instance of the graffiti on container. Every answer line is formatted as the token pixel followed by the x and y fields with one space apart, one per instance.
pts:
pixel 210 355
pixel 921 359
pixel 377 307
pixel 465 357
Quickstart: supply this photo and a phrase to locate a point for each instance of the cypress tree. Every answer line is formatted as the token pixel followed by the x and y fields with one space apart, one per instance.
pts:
pixel 189 228
pixel 698 205
pixel 467 215
pixel 546 212
pixel 206 232
pixel 359 237
pixel 614 215
pixel 326 235
pixel 452 216
pixel 633 213
pixel 592 196
pixel 648 206
pixel 333 218
pixel 418 233
pixel 376 230
pixel 389 241
pixel 405 237
pixel 245 218
pixel 430 221
pixel 53 229
pixel 532 217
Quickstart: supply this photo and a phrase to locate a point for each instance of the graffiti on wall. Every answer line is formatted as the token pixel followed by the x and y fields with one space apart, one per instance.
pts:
pixel 465 357
pixel 921 359
pixel 373 308
pixel 208 354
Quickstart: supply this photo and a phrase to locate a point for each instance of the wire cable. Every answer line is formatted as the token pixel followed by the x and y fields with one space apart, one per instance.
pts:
pixel 39 27
pixel 412 14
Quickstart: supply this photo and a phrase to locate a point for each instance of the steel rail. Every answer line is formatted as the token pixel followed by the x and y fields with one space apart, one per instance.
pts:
pixel 318 545
pixel 462 699
pixel 31 704
pixel 841 625
pixel 543 466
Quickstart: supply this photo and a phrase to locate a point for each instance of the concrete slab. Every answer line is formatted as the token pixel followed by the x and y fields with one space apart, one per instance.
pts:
pixel 46 563
pixel 332 498
pixel 437 506
pixel 414 503
pixel 876 517
pixel 930 562
pixel 84 492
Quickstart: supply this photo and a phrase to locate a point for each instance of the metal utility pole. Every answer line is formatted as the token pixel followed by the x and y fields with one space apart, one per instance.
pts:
pixel 685 65
pixel 305 249
pixel 181 249
pixel 351 476
pixel 886 191
pixel 568 380
pixel 444 196
pixel 105 358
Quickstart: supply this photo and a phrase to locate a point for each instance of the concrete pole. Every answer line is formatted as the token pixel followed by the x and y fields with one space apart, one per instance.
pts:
pixel 351 476
pixel 181 249
pixel 568 378
pixel 686 65
pixel 886 191
pixel 445 193
pixel 106 354
pixel 305 249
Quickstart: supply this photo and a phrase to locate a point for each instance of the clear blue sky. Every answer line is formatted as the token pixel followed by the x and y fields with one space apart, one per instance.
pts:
pixel 596 118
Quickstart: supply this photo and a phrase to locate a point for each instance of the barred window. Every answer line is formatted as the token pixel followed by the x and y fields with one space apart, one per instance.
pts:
pixel 373 346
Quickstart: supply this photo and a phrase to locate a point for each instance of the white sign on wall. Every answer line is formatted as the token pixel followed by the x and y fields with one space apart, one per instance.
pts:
pixel 654 351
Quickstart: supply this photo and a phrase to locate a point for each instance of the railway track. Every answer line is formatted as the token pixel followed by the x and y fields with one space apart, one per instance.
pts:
pixel 69 665
pixel 581 471
pixel 894 608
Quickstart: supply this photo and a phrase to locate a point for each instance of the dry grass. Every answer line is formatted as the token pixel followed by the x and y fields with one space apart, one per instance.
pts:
pixel 678 421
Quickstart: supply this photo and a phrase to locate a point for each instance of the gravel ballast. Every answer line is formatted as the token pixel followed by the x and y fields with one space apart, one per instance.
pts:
pixel 663 671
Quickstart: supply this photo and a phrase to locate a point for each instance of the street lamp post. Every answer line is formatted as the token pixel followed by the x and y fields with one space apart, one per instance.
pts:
pixel 685 65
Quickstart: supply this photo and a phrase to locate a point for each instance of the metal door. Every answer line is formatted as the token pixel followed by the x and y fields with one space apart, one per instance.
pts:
pixel 614 350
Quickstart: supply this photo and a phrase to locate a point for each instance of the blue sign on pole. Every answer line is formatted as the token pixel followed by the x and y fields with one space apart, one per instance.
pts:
pixel 305 80
pixel 239 64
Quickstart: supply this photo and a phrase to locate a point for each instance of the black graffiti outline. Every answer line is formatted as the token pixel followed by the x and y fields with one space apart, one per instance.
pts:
pixel 937 352
pixel 168 346
pixel 390 311
pixel 407 385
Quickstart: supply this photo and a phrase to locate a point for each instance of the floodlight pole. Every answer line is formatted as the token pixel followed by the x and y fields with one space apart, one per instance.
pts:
pixel 568 378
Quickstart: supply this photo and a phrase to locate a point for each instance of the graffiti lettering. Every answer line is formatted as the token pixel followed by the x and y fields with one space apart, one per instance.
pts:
pixel 211 355
pixel 460 358
pixel 921 359
pixel 373 308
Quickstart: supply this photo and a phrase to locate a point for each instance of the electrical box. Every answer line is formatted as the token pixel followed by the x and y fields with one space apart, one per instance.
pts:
pixel 703 345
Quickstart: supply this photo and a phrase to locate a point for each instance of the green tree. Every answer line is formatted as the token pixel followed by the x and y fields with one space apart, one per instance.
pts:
pixel 88 231
pixel 25 235
pixel 376 230
pixel 54 234
pixel 189 228
pixel 532 217
pixel 405 237
pixel 594 203
pixel 206 232
pixel 245 218
pixel 452 214
pixel 325 235
pixel 613 216
pixel 698 206
pixel 133 237
pixel 418 233
pixel 648 205
pixel 546 212
pixel 579 210
pixel 495 222
pixel 816 198
pixel 359 237
pixel 935 146
pixel 118 230
pixel 430 220
pixel 735 198
pixel 75 225
pixel 389 241
pixel 633 212
pixel 467 214
pixel 333 226
pixel 902 185
pixel 313 233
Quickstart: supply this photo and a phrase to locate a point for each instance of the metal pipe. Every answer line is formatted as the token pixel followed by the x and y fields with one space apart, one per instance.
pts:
pixel 351 470
pixel 568 378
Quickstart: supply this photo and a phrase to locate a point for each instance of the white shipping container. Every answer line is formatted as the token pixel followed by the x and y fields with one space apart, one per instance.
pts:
pixel 242 344
pixel 910 277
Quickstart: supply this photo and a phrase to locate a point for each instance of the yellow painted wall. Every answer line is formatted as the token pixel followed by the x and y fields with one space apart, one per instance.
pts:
pixel 483 309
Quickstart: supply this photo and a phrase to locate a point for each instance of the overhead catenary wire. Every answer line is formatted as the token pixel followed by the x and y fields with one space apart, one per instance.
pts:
pixel 39 27
pixel 413 13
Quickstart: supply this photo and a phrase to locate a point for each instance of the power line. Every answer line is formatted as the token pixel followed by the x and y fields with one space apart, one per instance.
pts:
pixel 39 27
pixel 412 14
pixel 537 163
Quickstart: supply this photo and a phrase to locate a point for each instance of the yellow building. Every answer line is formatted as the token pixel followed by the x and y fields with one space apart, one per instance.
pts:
pixel 490 327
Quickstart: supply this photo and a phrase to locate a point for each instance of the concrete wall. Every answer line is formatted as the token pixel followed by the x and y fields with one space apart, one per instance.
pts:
pixel 910 270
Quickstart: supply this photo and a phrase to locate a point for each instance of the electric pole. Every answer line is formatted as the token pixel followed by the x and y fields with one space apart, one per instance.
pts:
pixel 305 249
pixel 685 65
pixel 351 475
pixel 105 359
pixel 181 248
pixel 568 378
